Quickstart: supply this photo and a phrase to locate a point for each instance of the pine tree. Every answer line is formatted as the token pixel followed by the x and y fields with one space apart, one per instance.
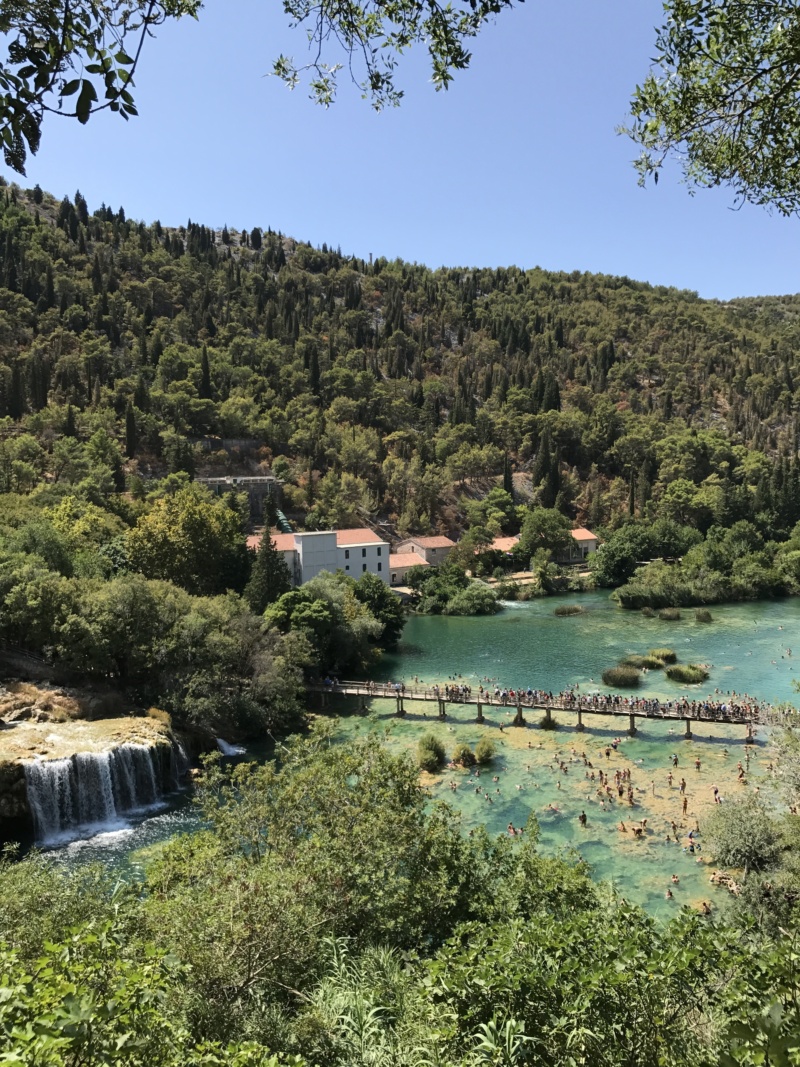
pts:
pixel 269 578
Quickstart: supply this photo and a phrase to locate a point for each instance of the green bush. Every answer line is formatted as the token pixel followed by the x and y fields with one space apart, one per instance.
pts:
pixel 669 614
pixel 477 599
pixel 430 753
pixel 484 751
pixel 650 662
pixel 507 590
pixel 622 677
pixel 687 673
pixel 666 655
pixel 648 613
pixel 549 724
pixel 569 609
pixel 463 755
pixel 703 615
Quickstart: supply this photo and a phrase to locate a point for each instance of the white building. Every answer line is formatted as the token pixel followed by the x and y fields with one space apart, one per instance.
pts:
pixel 355 552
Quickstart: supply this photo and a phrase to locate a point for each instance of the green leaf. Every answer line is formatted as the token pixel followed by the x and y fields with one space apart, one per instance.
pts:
pixel 83 107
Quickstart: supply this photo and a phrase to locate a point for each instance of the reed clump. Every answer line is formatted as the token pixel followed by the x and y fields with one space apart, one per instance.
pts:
pixel 430 753
pixel 703 615
pixel 622 677
pixel 669 614
pixel 648 662
pixel 666 655
pixel 564 610
pixel 687 673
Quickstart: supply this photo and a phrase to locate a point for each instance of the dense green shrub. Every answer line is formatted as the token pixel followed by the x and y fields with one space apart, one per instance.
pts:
pixel 622 677
pixel 703 615
pixel 463 755
pixel 666 655
pixel 549 723
pixel 484 750
pixel 669 614
pixel 569 609
pixel 430 753
pixel 687 673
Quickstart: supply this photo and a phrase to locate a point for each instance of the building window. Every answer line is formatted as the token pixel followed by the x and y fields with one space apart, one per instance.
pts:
pixel 380 566
pixel 363 567
pixel 379 552
pixel 363 553
pixel 347 553
pixel 347 566
pixel 394 579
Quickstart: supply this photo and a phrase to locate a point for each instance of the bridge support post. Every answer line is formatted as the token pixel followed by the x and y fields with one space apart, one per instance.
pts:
pixel 632 727
pixel 442 712
pixel 480 713
pixel 688 734
pixel 400 708
pixel 580 727
pixel 547 715
pixel 323 699
pixel 518 719
pixel 750 737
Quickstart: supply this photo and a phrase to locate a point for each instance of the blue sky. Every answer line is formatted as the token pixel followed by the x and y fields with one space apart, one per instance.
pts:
pixel 518 163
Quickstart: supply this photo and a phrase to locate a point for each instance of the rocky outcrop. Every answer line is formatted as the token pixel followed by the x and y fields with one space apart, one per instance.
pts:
pixel 16 822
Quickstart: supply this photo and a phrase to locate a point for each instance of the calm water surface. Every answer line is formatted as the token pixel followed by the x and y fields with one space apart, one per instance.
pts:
pixel 749 648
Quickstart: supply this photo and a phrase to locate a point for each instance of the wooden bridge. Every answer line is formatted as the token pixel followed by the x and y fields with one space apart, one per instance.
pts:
pixel 577 704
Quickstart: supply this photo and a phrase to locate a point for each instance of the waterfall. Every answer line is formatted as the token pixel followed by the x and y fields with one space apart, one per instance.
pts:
pixel 91 788
pixel 228 749
pixel 179 763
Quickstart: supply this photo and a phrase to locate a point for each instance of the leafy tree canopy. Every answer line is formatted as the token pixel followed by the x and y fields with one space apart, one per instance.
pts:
pixel 724 98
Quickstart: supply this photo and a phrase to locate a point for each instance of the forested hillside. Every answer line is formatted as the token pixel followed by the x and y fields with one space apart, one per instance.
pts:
pixel 382 389
pixel 133 356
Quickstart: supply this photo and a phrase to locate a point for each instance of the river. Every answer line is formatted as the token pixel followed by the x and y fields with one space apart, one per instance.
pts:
pixel 749 648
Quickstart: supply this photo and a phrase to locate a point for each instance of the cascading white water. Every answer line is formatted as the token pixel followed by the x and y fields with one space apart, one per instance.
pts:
pixel 228 749
pixel 91 788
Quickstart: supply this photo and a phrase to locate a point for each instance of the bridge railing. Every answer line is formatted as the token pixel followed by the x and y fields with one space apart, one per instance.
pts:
pixel 639 708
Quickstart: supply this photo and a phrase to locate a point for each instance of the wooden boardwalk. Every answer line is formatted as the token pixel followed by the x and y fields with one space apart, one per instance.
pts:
pixel 577 704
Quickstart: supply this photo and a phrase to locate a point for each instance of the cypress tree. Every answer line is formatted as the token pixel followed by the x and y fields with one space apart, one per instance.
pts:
pixel 69 422
pixel 205 376
pixel 131 435
pixel 269 578
pixel 508 481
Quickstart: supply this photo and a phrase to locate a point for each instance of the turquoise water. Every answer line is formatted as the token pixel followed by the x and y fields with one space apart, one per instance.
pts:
pixel 747 648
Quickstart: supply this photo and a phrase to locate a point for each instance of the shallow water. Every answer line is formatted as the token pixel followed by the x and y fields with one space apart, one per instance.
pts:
pixel 530 781
pixel 746 647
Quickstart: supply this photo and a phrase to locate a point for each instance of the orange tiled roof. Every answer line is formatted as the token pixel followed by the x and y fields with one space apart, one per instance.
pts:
pixel 283 542
pixel 363 536
pixel 432 542
pixel 580 533
pixel 503 544
pixel 407 559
